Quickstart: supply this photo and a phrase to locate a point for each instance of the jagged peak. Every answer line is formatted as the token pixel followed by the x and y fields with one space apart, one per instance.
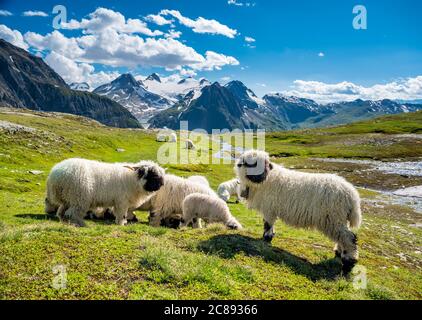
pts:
pixel 154 77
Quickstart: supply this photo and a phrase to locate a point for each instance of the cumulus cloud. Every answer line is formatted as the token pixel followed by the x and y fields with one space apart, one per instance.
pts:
pixel 5 13
pixel 201 25
pixel 12 36
pixel 71 71
pixel 406 89
pixel 108 38
pixel 34 14
pixel 249 39
pixel 157 19
pixel 103 19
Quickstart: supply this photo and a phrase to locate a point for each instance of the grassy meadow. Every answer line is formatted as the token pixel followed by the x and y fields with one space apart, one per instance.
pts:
pixel 106 261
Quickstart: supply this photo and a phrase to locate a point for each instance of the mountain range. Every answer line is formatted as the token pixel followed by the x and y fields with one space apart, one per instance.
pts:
pixel 26 81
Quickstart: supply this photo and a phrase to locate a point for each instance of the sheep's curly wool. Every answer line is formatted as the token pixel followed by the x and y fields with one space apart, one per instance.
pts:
pixel 325 202
pixel 211 209
pixel 76 186
pixel 167 202
pixel 199 179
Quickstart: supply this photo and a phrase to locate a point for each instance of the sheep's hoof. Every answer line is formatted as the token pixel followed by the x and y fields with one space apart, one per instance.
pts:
pixel 348 264
pixel 268 237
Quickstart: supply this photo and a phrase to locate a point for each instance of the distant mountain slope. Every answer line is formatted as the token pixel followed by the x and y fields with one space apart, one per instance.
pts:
pixel 27 82
pixel 132 94
pixel 214 107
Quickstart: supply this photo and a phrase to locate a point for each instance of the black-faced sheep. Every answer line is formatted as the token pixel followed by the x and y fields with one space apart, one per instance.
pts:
pixel 76 186
pixel 325 202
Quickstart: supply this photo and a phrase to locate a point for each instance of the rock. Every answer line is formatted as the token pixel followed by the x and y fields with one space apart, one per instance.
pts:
pixel 35 172
pixel 120 150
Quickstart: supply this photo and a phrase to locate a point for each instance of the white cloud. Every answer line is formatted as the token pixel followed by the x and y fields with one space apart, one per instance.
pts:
pixel 201 25
pixel 5 13
pixel 241 4
pixel 71 71
pixel 215 61
pixel 34 14
pixel 157 19
pixel 108 38
pixel 225 79
pixel 249 39
pixel 321 54
pixel 406 89
pixel 12 36
pixel 103 20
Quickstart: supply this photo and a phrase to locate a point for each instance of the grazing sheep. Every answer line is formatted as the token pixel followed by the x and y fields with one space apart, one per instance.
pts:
pixel 173 137
pixel 161 137
pixel 208 208
pixel 165 206
pixel 199 179
pixel 229 188
pixel 190 145
pixel 77 186
pixel 325 202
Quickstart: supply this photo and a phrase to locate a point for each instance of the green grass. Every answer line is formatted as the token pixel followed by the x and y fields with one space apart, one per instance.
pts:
pixel 106 261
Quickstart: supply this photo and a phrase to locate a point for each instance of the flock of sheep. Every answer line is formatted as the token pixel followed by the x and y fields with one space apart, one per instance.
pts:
pixel 326 202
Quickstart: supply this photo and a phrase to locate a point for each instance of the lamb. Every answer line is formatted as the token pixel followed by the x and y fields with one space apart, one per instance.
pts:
pixel 208 208
pixel 199 179
pixel 325 202
pixel 165 206
pixel 190 145
pixel 77 186
pixel 229 188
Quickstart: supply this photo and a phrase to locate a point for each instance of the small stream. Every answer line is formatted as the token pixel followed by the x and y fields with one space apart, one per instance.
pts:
pixel 411 196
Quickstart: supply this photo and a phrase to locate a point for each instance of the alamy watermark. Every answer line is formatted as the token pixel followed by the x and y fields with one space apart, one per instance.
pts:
pixel 360 21
pixel 60 277
pixel 198 146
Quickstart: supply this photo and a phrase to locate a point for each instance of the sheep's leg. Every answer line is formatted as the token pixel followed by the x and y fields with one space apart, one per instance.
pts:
pixel 120 213
pixel 337 250
pixel 154 219
pixel 61 212
pixel 196 223
pixel 76 216
pixel 131 216
pixel 269 229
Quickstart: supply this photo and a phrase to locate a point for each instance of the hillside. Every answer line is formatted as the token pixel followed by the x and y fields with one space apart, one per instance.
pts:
pixel 105 261
pixel 26 81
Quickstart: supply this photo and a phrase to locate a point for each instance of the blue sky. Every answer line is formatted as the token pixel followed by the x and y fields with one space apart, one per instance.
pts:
pixel 289 37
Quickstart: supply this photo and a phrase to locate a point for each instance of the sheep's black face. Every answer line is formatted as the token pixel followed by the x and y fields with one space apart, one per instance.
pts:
pixel 256 170
pixel 154 180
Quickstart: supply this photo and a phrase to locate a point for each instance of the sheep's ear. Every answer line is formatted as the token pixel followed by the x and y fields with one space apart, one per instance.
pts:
pixel 130 168
pixel 270 165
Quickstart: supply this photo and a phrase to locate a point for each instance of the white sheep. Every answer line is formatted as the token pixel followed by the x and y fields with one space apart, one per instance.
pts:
pixel 229 188
pixel 198 206
pixel 190 145
pixel 173 137
pixel 325 202
pixel 76 186
pixel 165 206
pixel 161 137
pixel 199 179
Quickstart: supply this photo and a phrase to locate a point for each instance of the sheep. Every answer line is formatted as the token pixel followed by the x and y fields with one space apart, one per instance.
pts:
pixel 173 137
pixel 76 186
pixel 325 202
pixel 165 206
pixel 161 137
pixel 229 188
pixel 190 145
pixel 208 208
pixel 199 179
